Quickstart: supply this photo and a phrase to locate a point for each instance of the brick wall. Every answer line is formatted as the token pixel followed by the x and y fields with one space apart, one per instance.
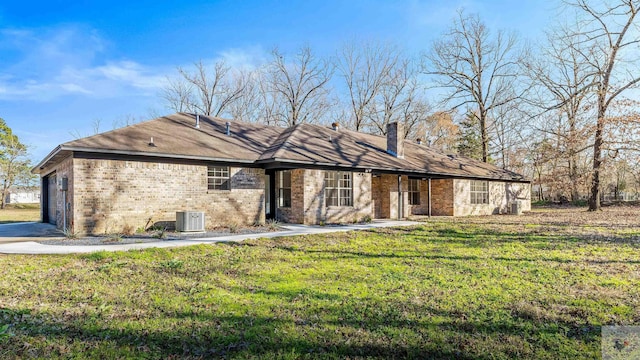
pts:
pixel 501 195
pixel 362 204
pixel 113 194
pixel 376 197
pixel 313 209
pixel 62 169
pixel 386 196
pixel 395 139
pixel 442 197
pixel 308 203
pixel 105 196
pixel 423 207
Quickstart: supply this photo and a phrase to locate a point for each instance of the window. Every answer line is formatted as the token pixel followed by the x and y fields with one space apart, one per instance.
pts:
pixel 284 189
pixel 479 192
pixel 337 188
pixel 414 192
pixel 218 178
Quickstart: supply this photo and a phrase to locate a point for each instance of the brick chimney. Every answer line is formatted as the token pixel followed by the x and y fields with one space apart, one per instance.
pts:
pixel 395 139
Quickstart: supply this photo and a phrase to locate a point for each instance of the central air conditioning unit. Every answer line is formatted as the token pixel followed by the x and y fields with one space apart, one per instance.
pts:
pixel 189 221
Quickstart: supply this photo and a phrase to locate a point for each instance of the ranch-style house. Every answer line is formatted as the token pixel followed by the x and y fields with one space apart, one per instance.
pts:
pixel 243 173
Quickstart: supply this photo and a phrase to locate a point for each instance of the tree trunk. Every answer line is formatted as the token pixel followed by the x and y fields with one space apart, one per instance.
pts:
pixel 573 162
pixel 485 138
pixel 573 177
pixel 594 199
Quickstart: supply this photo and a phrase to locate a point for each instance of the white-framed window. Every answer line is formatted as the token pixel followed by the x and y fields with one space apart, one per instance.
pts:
pixel 218 178
pixel 284 188
pixel 338 189
pixel 479 192
pixel 414 191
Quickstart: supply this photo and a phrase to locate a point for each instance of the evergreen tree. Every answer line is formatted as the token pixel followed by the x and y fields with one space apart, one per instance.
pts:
pixel 470 140
pixel 13 162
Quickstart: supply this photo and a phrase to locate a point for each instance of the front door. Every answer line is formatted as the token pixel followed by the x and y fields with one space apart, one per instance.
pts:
pixel 267 196
pixel 270 194
pixel 52 199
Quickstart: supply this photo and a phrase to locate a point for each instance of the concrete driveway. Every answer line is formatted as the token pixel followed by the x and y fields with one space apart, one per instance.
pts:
pixel 33 247
pixel 28 231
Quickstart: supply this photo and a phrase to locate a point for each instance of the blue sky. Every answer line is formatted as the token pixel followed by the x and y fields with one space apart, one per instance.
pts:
pixel 66 64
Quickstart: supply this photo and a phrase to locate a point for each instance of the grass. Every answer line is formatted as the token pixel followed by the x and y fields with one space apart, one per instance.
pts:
pixel 20 213
pixel 475 288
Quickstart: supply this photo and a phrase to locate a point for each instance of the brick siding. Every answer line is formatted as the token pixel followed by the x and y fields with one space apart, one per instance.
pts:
pixel 501 195
pixel 113 194
pixel 308 200
pixel 386 196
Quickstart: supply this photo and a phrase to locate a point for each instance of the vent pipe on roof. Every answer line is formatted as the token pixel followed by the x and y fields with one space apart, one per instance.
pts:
pixel 151 142
pixel 197 121
pixel 395 139
pixel 228 128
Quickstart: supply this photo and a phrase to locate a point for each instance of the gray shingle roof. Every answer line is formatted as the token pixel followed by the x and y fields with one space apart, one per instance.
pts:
pixel 175 136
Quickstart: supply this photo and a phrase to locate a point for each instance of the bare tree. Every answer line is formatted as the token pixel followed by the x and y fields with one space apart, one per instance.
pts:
pixel 611 28
pixel 564 80
pixel 414 109
pixel 178 94
pixel 477 68
pixel 206 91
pixel 298 87
pixel 248 106
pixel 399 99
pixel 365 69
pixel 95 129
pixel 439 131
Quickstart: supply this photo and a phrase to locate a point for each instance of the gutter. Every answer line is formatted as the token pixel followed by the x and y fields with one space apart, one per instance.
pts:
pixel 391 170
pixel 60 148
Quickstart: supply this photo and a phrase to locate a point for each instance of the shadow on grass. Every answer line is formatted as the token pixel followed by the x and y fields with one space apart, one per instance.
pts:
pixel 353 329
pixel 475 235
pixel 412 254
pixel 471 238
pixel 213 336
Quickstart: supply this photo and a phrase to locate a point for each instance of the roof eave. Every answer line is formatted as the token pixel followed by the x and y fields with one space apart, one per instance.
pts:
pixel 36 169
pixel 62 147
pixel 393 170
pixel 41 165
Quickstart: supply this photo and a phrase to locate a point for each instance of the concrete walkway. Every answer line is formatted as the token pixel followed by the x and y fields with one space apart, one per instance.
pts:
pixel 28 231
pixel 32 247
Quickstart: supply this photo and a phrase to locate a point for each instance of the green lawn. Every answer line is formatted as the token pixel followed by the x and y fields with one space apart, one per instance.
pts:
pixel 494 288
pixel 20 213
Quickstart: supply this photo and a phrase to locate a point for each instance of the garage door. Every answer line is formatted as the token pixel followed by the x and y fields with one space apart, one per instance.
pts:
pixel 52 199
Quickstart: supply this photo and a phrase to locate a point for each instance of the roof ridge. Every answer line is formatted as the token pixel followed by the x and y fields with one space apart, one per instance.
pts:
pixel 303 143
pixel 282 140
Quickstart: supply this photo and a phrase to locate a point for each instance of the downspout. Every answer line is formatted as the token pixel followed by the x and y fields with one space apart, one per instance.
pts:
pixel 400 205
pixel 429 196
pixel 64 210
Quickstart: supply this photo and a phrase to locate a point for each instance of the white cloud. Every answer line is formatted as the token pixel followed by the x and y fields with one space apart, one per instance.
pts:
pixel 132 73
pixel 248 58
pixel 45 64
pixel 74 88
pixel 50 63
